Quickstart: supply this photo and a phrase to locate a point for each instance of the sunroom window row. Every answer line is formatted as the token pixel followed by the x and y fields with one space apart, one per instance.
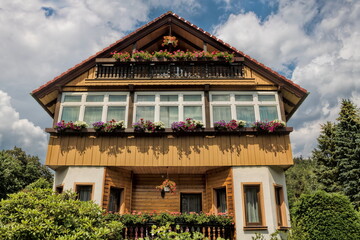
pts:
pixel 170 107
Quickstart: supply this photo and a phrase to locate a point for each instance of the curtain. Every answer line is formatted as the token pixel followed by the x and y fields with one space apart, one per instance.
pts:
pixel 93 114
pixel 114 203
pixel 146 98
pixel 220 98
pixel 168 115
pixel 168 98
pixel 194 112
pixel 244 98
pixel 221 200
pixel 252 205
pixel 95 98
pixel 245 113
pixel 70 114
pixel 84 193
pixel 145 112
pixel 221 113
pixel 117 98
pixel 268 113
pixel 190 203
pixel 115 112
pixel 192 98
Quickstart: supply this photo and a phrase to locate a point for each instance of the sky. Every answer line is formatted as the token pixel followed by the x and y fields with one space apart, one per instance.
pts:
pixel 315 43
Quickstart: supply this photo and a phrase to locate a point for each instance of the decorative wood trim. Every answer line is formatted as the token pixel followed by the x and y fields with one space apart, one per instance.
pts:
pixel 281 104
pixel 207 106
pixel 131 105
pixel 57 109
pixel 282 207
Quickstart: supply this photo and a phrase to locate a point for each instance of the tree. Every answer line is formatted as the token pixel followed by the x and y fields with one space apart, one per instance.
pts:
pixel 41 214
pixel 18 170
pixel 300 179
pixel 347 150
pixel 327 170
pixel 325 216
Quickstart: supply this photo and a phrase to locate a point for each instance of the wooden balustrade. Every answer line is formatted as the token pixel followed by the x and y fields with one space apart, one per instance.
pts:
pixel 212 232
pixel 169 70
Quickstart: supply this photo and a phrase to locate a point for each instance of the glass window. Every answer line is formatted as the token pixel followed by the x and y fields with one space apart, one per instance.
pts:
pixel 95 98
pixel 221 200
pixel 192 98
pixel 70 114
pixel 268 113
pixel 116 112
pixel 72 98
pixel 146 98
pixel 245 113
pixel 168 98
pixel 93 114
pixel 145 112
pixel 84 192
pixel 194 112
pixel 221 113
pixel 59 189
pixel 115 199
pixel 220 98
pixel 267 98
pixel 191 202
pixel 280 209
pixel 244 98
pixel 168 115
pixel 252 205
pixel 117 98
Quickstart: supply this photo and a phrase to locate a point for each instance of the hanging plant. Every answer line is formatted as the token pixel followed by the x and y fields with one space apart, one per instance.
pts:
pixel 169 40
pixel 167 186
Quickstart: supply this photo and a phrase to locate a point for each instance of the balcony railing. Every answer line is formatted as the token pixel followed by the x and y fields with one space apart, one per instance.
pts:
pixel 209 231
pixel 110 69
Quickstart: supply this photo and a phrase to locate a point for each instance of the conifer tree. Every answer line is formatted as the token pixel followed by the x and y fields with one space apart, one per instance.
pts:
pixel 327 170
pixel 347 150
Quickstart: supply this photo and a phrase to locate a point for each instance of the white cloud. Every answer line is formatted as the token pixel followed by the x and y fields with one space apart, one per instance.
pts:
pixel 15 131
pixel 321 39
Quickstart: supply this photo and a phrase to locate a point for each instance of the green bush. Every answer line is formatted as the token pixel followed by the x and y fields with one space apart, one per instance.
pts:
pixel 41 214
pixel 40 183
pixel 325 216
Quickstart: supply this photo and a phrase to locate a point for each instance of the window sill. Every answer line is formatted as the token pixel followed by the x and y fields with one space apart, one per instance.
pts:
pixel 283 228
pixel 255 228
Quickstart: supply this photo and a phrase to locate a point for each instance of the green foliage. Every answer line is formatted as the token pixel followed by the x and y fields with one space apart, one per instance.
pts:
pixel 40 183
pixel 300 179
pixel 347 150
pixel 18 170
pixel 327 170
pixel 325 216
pixel 41 214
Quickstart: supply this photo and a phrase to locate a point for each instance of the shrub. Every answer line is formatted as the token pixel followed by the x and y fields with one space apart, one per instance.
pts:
pixel 325 216
pixel 40 183
pixel 41 214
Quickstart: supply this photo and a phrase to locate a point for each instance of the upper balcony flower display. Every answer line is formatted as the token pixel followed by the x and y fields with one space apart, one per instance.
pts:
pixel 77 126
pixel 148 126
pixel 269 126
pixel 109 126
pixel 189 125
pixel 233 125
pixel 169 40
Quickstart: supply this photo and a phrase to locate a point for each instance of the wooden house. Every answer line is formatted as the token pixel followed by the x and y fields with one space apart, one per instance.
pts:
pixel 237 172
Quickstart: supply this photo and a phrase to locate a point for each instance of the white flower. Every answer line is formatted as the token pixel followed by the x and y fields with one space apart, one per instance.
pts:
pixel 159 125
pixel 283 124
pixel 241 123
pixel 81 124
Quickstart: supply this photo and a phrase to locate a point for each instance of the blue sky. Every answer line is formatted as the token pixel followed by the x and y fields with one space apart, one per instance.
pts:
pixel 315 43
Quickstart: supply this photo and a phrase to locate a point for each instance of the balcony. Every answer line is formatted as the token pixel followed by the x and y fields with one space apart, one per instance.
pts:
pixel 109 68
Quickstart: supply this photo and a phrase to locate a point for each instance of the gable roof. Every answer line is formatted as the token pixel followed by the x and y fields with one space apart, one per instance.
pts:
pixel 167 18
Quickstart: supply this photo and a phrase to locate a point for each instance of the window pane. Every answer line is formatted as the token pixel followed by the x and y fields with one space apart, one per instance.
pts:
pixel 168 98
pixel 145 112
pixel 252 205
pixel 168 115
pixel 221 113
pixel 194 112
pixel 278 198
pixel 70 114
pixel 268 113
pixel 220 98
pixel 244 98
pixel 116 113
pixel 245 113
pixel 221 200
pixel 93 114
pixel 190 202
pixel 114 203
pixel 266 98
pixel 146 98
pixel 95 98
pixel 84 192
pixel 192 98
pixel 117 98
pixel 72 98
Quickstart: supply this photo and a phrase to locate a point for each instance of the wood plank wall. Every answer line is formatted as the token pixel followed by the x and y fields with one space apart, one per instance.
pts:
pixel 223 150
pixel 119 178
pixel 216 179
pixel 146 197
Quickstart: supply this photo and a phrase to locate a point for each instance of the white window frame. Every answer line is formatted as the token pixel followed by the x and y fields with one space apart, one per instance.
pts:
pixel 180 103
pixel 233 104
pixel 105 104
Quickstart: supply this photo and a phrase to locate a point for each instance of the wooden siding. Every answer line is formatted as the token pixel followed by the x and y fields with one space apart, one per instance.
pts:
pixel 217 179
pixel 145 196
pixel 222 150
pixel 119 178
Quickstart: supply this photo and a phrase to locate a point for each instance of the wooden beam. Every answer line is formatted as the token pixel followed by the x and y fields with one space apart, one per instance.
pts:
pixel 187 42
pixel 149 44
